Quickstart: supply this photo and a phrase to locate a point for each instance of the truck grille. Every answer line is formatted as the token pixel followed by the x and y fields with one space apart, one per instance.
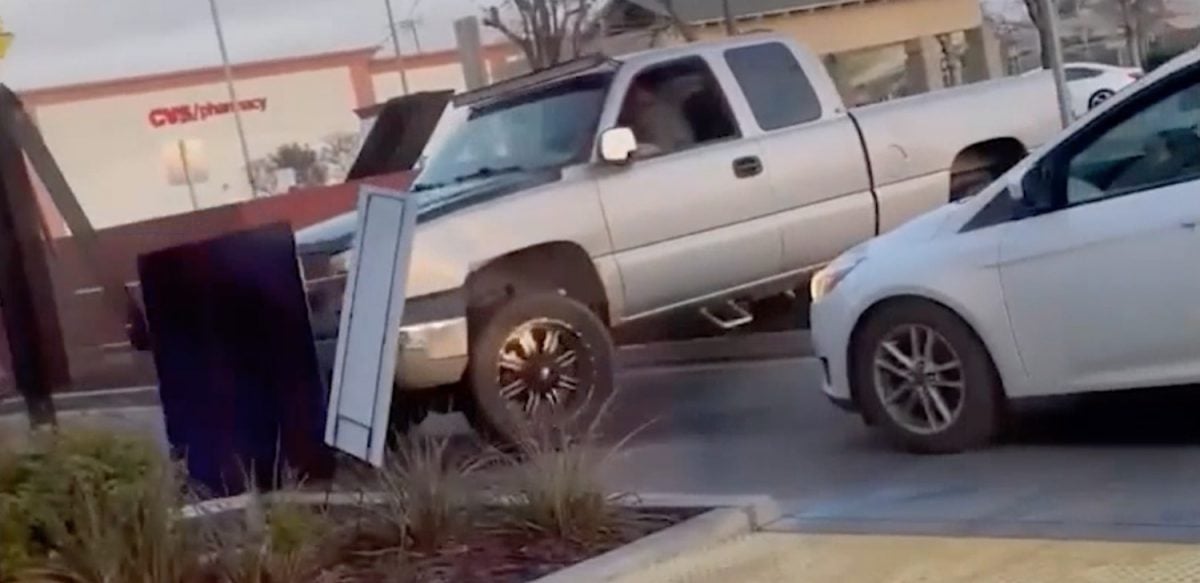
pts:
pixel 325 289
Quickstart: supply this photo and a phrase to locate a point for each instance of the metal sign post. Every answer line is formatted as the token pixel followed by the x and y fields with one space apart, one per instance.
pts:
pixel 1054 51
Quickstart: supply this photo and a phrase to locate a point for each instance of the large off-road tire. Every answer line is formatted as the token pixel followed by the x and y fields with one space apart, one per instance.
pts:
pixel 540 361
pixel 924 377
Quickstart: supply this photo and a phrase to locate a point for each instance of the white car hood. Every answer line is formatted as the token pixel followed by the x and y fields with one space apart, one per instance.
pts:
pixel 925 226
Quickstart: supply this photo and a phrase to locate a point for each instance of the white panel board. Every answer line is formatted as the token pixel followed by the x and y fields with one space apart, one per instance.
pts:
pixel 368 338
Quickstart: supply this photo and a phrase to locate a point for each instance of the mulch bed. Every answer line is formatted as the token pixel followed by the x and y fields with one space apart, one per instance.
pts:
pixel 494 553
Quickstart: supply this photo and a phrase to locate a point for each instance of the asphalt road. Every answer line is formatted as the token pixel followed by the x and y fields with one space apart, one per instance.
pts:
pixel 1115 467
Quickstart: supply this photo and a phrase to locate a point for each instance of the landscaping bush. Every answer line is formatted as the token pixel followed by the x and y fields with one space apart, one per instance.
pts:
pixel 92 507
pixel 426 497
pixel 273 541
pixel 104 508
pixel 558 489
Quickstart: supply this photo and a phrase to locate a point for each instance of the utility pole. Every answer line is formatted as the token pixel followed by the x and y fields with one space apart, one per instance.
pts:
pixel 391 16
pixel 730 24
pixel 233 100
pixel 410 24
pixel 1053 50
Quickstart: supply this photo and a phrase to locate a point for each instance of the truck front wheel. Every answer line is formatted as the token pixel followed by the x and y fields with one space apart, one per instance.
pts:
pixel 540 361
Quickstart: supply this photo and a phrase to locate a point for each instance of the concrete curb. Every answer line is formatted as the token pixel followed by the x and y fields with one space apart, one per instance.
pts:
pixel 745 515
pixel 731 516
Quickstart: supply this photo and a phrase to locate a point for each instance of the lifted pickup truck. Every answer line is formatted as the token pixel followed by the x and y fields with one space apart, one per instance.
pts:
pixel 610 190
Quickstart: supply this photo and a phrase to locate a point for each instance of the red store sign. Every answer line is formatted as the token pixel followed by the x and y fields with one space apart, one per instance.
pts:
pixel 188 113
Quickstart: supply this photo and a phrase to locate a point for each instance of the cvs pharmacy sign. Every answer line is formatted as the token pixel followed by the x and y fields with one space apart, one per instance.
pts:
pixel 193 112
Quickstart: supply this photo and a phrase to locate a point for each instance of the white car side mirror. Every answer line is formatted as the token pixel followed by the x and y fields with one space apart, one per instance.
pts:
pixel 618 145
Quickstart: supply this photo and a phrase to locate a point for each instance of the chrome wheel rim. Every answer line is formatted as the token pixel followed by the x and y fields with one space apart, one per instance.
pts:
pixel 919 379
pixel 539 367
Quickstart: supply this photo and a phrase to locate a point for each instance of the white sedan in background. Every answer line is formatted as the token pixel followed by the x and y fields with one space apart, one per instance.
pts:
pixel 1077 271
pixel 1094 83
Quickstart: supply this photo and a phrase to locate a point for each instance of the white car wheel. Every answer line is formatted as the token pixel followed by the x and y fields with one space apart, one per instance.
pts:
pixel 1100 97
pixel 923 375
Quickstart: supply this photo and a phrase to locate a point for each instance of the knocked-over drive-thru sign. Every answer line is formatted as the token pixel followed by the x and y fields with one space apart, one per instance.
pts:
pixel 365 364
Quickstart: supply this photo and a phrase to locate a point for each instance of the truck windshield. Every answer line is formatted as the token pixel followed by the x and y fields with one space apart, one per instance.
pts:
pixel 548 128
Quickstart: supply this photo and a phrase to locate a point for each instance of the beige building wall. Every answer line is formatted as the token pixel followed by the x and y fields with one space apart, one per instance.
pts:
pixel 118 162
pixel 870 24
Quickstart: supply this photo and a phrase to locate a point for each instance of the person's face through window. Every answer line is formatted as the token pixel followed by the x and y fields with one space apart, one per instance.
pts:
pixel 641 97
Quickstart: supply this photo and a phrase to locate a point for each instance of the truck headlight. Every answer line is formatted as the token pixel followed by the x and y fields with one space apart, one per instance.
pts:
pixel 824 281
pixel 342 262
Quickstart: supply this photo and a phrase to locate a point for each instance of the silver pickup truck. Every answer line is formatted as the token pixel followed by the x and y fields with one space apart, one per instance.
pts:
pixel 610 190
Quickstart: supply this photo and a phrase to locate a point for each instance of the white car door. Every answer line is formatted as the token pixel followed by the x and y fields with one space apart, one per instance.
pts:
pixel 1103 290
pixel 690 216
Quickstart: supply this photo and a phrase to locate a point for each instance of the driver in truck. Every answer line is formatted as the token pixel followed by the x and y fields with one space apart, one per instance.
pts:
pixel 660 127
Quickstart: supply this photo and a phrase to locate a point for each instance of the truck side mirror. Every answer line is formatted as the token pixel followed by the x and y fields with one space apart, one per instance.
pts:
pixel 618 145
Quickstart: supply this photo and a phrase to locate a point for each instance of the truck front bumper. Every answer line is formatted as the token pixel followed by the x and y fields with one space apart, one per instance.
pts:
pixel 430 354
pixel 432 348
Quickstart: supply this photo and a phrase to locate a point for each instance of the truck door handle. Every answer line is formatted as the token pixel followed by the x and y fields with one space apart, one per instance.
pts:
pixel 747 167
pixel 1188 224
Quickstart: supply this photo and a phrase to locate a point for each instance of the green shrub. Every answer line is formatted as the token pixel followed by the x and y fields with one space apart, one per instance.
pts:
pixel 557 483
pixel 426 495
pixel 90 506
pixel 273 541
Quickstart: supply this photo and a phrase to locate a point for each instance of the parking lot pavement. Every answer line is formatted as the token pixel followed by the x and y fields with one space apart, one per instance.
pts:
pixel 145 421
pixel 1120 467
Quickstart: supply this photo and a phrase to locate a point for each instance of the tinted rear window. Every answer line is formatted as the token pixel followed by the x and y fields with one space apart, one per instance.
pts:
pixel 775 85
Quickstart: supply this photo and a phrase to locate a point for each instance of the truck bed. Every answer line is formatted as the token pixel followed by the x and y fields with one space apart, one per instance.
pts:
pixel 912 143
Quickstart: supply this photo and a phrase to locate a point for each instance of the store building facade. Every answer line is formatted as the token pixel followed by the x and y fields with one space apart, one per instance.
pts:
pixel 144 147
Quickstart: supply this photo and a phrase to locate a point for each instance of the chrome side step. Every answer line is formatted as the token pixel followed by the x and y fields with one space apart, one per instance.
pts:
pixel 741 316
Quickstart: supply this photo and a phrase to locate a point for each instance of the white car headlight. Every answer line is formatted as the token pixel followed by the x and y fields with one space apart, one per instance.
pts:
pixel 824 281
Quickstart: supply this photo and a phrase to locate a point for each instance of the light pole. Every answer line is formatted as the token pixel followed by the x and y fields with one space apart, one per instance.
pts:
pixel 233 100
pixel 391 15
pixel 1053 49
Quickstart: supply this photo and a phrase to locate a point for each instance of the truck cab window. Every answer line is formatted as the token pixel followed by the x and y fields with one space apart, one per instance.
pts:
pixel 677 106
pixel 774 84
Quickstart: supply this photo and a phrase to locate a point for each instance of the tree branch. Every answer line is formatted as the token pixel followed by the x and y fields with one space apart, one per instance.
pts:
pixel 548 29
pixel 491 19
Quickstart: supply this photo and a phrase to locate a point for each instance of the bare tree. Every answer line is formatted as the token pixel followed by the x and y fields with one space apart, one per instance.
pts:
pixel 337 154
pixel 548 32
pixel 1137 18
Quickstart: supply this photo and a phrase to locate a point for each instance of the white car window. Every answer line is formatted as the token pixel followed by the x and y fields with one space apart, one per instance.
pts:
pixel 1077 73
pixel 1157 146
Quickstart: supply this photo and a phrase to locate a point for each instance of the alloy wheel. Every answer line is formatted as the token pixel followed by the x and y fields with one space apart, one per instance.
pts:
pixel 538 370
pixel 919 379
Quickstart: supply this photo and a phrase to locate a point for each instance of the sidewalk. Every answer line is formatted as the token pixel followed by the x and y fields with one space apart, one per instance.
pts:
pixel 780 557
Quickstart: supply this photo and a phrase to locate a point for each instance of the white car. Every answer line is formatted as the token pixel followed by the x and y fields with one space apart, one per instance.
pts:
pixel 1077 271
pixel 1091 84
